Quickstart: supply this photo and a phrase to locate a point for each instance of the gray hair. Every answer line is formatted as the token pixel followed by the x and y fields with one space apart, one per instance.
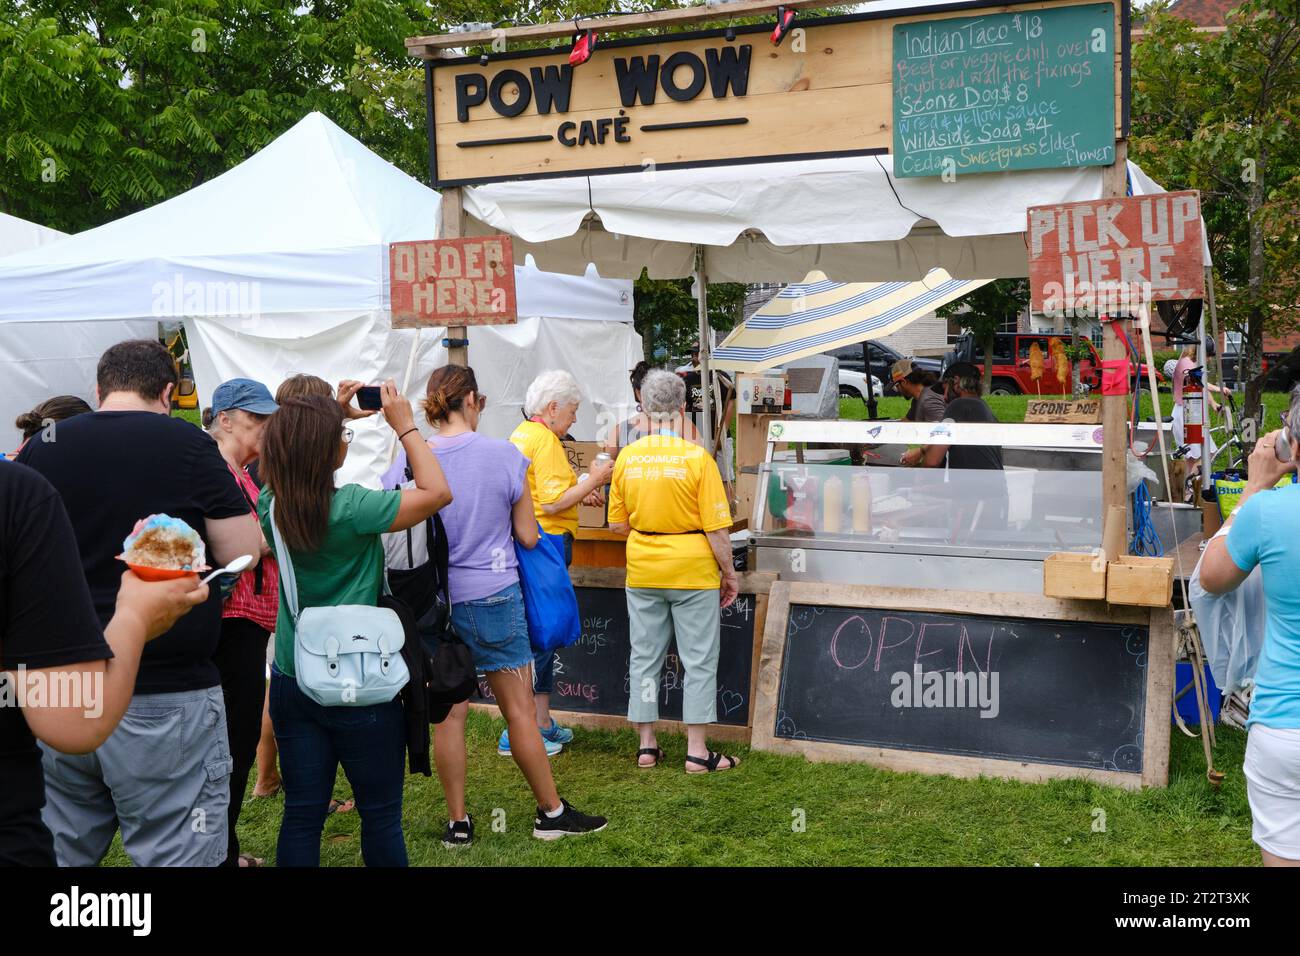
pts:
pixel 554 385
pixel 1293 414
pixel 662 393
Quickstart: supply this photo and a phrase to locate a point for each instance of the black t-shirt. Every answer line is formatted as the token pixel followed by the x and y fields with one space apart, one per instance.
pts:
pixel 972 456
pixel 114 468
pixel 46 620
pixel 695 390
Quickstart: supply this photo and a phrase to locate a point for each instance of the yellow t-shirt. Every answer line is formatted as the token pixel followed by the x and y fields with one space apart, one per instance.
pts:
pixel 663 483
pixel 549 475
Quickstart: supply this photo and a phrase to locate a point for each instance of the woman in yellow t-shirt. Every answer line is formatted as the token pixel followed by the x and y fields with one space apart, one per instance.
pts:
pixel 551 404
pixel 667 495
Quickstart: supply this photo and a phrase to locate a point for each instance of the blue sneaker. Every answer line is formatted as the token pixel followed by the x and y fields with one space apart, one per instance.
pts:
pixel 552 748
pixel 557 734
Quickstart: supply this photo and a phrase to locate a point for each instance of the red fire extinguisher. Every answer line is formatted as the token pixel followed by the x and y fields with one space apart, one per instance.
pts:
pixel 1193 407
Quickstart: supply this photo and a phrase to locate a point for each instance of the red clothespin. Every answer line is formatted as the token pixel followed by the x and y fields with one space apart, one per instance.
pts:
pixel 784 20
pixel 584 45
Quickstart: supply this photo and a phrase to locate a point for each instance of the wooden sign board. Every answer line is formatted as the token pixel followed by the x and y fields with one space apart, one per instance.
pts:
pixel 1064 411
pixel 591 676
pixel 581 455
pixel 1109 255
pixel 452 282
pixel 967 683
pixel 999 91
pixel 697 99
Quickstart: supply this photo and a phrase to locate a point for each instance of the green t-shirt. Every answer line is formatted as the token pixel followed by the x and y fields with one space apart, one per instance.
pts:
pixel 348 568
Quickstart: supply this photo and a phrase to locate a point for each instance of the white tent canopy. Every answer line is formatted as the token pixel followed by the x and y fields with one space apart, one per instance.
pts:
pixel 280 266
pixel 39 361
pixel 850 219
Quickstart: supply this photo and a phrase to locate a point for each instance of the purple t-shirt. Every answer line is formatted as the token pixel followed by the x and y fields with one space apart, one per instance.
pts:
pixel 486 476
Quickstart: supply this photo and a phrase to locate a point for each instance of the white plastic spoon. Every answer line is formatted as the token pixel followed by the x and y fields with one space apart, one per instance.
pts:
pixel 234 567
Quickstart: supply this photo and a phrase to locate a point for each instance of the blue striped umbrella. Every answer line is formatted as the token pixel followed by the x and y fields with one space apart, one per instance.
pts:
pixel 818 315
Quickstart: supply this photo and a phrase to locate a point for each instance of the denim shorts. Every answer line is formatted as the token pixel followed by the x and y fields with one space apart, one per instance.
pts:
pixel 495 629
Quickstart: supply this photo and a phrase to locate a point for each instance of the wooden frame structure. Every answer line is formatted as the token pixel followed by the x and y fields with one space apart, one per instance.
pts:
pixel 1159 680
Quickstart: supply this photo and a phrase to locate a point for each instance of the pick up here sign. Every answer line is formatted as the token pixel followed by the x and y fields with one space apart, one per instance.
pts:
pixel 1106 256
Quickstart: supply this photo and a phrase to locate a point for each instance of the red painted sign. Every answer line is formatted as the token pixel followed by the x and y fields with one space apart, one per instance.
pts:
pixel 446 282
pixel 1107 256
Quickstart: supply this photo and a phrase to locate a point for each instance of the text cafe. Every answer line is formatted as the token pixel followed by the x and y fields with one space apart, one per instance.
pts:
pixel 868 579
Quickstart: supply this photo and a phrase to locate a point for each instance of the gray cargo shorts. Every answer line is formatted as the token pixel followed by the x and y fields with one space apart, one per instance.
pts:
pixel 163 776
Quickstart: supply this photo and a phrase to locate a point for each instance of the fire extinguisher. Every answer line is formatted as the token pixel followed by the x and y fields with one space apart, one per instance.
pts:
pixel 1193 407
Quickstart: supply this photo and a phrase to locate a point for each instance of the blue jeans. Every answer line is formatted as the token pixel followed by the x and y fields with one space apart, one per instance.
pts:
pixel 496 629
pixel 370 742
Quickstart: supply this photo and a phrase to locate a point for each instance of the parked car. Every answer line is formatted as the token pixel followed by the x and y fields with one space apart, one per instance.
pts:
pixel 882 357
pixel 854 384
pixel 1011 372
pixel 1281 369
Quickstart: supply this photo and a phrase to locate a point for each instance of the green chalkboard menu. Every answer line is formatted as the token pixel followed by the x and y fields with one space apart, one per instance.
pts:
pixel 1005 91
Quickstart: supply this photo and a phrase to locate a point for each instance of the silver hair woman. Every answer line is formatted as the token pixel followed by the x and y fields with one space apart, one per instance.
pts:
pixel 551 404
pixel 551 392
pixel 667 496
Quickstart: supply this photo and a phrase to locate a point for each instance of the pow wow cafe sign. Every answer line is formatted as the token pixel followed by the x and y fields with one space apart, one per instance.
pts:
pixel 1017 86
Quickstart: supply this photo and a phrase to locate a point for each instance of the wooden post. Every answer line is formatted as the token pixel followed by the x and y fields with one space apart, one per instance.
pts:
pixel 453 227
pixel 706 379
pixel 1114 408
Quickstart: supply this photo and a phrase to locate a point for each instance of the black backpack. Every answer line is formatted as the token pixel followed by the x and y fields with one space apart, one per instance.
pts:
pixel 446 665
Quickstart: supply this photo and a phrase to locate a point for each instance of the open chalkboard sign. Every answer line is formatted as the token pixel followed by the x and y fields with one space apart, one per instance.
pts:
pixel 591 676
pixel 964 683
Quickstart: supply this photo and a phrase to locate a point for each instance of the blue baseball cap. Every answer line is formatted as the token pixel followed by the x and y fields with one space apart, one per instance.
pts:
pixel 243 393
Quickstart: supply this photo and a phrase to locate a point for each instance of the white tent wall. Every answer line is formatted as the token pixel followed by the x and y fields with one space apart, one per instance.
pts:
pixel 39 360
pixel 505 359
pixel 279 266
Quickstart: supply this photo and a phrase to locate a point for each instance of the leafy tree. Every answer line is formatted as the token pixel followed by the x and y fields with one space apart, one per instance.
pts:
pixel 666 315
pixel 986 311
pixel 1219 113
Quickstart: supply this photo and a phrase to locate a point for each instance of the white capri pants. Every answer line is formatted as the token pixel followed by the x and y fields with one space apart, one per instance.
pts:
pixel 1273 786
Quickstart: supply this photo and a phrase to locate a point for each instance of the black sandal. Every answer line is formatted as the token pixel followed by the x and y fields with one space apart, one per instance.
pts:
pixel 711 764
pixel 656 752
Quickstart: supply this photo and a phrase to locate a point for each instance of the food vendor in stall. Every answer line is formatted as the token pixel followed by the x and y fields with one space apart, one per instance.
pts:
pixel 962 388
pixel 922 388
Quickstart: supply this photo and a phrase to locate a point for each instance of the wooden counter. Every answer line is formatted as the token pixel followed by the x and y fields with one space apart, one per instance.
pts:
pixel 599 548
pixel 602 548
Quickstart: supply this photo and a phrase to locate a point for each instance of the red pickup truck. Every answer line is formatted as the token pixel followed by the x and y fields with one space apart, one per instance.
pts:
pixel 1011 374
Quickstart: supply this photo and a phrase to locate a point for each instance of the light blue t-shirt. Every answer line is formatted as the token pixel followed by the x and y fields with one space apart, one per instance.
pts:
pixel 1266 532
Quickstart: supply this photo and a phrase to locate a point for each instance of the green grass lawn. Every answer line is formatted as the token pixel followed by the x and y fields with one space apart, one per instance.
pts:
pixel 854 814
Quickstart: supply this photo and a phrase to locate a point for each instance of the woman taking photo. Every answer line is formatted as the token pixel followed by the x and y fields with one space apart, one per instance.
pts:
pixel 551 404
pixel 491 509
pixel 333 538
pixel 667 495
pixel 237 421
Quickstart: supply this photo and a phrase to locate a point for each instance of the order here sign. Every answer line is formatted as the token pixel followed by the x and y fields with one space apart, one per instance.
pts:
pixel 1108 255
pixel 448 282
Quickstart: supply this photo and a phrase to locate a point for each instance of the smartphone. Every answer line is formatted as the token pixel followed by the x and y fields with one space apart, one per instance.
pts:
pixel 369 399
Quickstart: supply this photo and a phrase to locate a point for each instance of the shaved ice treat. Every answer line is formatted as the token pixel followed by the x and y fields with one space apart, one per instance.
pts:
pixel 166 543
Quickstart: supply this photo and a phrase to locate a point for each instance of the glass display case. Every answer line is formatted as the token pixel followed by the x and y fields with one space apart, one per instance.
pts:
pixel 833 502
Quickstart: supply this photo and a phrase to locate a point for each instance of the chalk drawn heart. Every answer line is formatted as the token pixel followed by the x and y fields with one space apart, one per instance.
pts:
pixel 731 701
